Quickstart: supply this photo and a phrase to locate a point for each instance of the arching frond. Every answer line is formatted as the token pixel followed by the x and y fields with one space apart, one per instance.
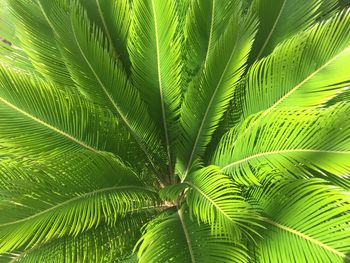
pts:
pixel 114 18
pixel 205 23
pixel 281 19
pixel 154 49
pixel 59 122
pixel 99 76
pixel 11 53
pixel 207 99
pixel 306 220
pixel 214 199
pixel 7 26
pixel 299 141
pixel 37 205
pixel 37 40
pixel 189 242
pixel 304 71
pixel 101 244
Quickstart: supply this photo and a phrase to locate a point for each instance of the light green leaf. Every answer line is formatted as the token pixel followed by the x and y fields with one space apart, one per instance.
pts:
pixel 280 19
pixel 302 142
pixel 154 49
pixel 214 199
pixel 189 242
pixel 38 42
pixel 306 220
pixel 305 71
pixel 207 99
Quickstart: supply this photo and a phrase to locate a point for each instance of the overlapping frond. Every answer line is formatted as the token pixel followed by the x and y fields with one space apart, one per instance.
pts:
pixel 305 71
pixel 214 199
pixel 207 99
pixel 114 18
pixel 38 42
pixel 7 25
pixel 306 221
pixel 98 75
pixel 174 131
pixel 154 49
pixel 102 244
pixel 11 53
pixel 302 142
pixel 280 19
pixel 38 204
pixel 206 21
pixel 59 122
pixel 189 242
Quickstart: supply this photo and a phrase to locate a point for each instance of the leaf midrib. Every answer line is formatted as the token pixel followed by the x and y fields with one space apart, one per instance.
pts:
pixel 206 113
pixel 209 199
pixel 187 235
pixel 277 152
pixel 299 85
pixel 105 26
pixel 210 34
pixel 162 103
pixel 306 237
pixel 75 199
pixel 56 130
pixel 272 30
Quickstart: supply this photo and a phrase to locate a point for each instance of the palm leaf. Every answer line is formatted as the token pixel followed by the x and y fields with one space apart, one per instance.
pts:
pixel 189 242
pixel 7 25
pixel 84 49
pixel 207 99
pixel 114 18
pixel 298 141
pixel 37 40
pixel 102 244
pixel 155 56
pixel 306 220
pixel 306 70
pixel 47 208
pixel 59 122
pixel 11 53
pixel 283 18
pixel 206 21
pixel 215 200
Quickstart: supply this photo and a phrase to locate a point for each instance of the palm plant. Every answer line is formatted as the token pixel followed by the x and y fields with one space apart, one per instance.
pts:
pixel 174 131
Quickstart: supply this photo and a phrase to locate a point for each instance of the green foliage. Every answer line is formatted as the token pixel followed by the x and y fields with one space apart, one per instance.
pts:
pixel 174 131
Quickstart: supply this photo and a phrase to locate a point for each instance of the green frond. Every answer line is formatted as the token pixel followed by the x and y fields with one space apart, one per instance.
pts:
pixel 302 142
pixel 185 241
pixel 159 131
pixel 154 49
pixel 114 19
pixel 7 25
pixel 11 53
pixel 182 8
pixel 37 205
pixel 279 20
pixel 207 99
pixel 213 199
pixel 59 122
pixel 329 8
pixel 306 221
pixel 342 95
pixel 304 71
pixel 38 42
pixel 101 244
pixel 99 76
pixel 205 23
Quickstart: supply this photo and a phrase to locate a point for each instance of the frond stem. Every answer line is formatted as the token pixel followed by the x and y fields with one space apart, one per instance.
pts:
pixel 187 235
pixel 255 156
